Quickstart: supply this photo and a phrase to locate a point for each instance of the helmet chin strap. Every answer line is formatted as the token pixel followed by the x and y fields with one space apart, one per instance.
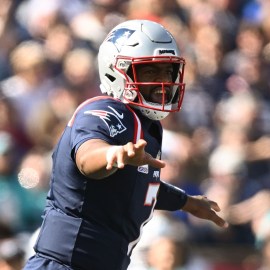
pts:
pixel 153 115
pixel 131 95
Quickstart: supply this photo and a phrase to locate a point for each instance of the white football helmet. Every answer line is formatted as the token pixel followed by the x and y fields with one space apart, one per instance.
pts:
pixel 137 42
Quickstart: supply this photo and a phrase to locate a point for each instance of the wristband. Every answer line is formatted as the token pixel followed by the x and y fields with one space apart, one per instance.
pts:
pixel 170 197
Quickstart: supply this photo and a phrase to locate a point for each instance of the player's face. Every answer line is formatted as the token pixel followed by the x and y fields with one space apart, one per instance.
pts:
pixel 156 72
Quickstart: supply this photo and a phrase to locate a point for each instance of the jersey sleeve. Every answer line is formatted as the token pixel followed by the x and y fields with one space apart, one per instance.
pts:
pixel 105 119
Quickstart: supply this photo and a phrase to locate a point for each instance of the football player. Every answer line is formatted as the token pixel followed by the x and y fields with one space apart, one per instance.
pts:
pixel 105 181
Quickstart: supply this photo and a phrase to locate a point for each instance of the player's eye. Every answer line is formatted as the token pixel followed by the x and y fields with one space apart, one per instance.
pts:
pixel 150 72
pixel 169 71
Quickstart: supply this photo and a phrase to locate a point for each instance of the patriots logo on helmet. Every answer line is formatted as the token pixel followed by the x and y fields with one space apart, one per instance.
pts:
pixel 119 37
pixel 111 119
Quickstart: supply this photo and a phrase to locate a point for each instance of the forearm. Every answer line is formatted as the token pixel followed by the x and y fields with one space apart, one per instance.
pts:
pixel 91 159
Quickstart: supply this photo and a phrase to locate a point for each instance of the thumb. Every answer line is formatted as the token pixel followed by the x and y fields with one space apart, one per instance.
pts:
pixel 140 144
pixel 154 162
pixel 148 159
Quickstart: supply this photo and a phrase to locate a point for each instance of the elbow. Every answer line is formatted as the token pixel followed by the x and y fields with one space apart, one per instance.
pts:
pixel 81 163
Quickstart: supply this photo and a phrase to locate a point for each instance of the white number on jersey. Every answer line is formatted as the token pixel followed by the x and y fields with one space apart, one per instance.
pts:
pixel 151 194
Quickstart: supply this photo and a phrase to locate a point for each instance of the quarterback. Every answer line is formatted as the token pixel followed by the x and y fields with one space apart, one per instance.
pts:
pixel 105 180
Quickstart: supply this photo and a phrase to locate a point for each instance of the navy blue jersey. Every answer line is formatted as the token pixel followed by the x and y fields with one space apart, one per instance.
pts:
pixel 95 224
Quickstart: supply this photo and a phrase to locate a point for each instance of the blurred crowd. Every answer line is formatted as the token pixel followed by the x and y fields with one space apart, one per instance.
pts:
pixel 218 145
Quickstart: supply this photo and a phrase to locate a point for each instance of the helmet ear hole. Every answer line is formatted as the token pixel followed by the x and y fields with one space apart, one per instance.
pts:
pixel 110 77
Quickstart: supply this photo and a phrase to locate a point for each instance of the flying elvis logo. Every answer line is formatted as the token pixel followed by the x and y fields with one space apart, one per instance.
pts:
pixel 111 119
pixel 119 37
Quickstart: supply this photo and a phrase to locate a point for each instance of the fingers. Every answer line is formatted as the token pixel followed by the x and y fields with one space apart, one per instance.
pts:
pixel 132 154
pixel 156 163
pixel 120 159
pixel 116 155
pixel 130 149
pixel 214 206
pixel 111 156
pixel 218 220
pixel 213 215
pixel 148 159
pixel 202 207
pixel 140 144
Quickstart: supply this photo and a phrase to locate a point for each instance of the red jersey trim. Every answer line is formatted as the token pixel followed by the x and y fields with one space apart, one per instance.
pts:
pixel 138 132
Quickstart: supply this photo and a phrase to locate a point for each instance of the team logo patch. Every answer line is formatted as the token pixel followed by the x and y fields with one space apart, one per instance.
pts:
pixel 119 37
pixel 111 119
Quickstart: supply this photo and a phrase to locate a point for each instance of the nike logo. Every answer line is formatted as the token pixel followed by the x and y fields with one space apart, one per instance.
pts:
pixel 121 116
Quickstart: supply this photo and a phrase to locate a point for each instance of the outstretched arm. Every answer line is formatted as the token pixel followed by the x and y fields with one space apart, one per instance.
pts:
pixel 172 198
pixel 97 159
